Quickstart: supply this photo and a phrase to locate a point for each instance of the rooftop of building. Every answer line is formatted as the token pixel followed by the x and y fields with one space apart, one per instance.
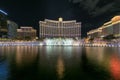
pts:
pixel 59 20
pixel 116 18
pixel 26 27
pixel 94 31
pixel 23 28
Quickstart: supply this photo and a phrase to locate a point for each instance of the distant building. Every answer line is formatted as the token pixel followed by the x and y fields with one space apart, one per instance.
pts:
pixel 109 28
pixel 12 29
pixel 94 33
pixel 59 29
pixel 116 26
pixel 3 24
pixel 26 33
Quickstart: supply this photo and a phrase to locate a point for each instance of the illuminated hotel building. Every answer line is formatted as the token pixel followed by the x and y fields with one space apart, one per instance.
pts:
pixel 109 28
pixel 94 33
pixel 59 29
pixel 26 33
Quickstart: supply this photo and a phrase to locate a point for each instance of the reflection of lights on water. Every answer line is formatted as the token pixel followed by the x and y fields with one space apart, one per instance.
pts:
pixel 66 42
pixel 115 67
pixel 68 51
pixel 95 53
pixel 25 55
pixel 41 44
pixel 60 68
pixel 4 71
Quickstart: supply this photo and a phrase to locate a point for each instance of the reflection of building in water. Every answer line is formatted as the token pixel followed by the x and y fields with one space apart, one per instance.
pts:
pixel 95 53
pixel 25 54
pixel 115 67
pixel 98 55
pixel 67 51
pixel 60 67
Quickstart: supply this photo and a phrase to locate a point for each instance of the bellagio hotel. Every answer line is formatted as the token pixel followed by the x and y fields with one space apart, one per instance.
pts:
pixel 59 29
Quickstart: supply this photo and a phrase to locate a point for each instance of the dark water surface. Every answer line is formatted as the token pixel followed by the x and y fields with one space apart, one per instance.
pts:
pixel 59 63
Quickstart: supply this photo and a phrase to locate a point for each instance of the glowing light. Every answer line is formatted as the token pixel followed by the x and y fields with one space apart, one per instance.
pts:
pixel 116 18
pixel 3 12
pixel 60 68
pixel 60 19
pixel 59 41
pixel 76 43
pixel 115 67
pixel 41 44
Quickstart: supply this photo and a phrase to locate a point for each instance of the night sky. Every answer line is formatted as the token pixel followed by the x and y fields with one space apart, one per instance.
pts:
pixel 92 13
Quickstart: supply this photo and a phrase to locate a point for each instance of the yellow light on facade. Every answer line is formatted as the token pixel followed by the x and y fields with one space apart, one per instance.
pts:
pixel 116 18
pixel 60 19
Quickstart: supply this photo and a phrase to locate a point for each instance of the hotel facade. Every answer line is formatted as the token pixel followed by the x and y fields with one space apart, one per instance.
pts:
pixel 59 29
pixel 109 28
pixel 26 33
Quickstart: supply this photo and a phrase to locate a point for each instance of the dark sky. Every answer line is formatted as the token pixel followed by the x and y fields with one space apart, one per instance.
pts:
pixel 92 13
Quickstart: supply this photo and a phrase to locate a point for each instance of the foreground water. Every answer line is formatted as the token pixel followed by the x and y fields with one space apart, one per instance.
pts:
pixel 59 63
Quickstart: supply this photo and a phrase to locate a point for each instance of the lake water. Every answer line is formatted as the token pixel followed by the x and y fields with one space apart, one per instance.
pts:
pixel 59 63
